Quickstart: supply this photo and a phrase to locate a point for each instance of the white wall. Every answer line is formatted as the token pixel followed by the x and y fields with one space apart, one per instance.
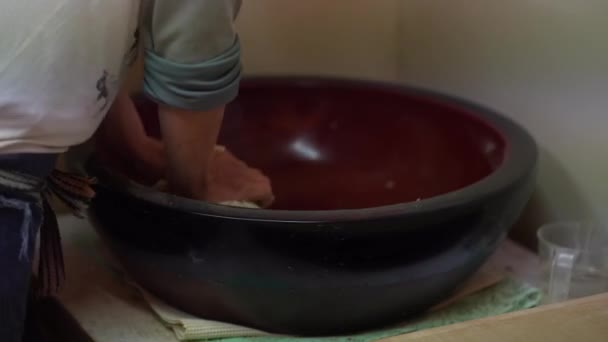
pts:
pixel 328 37
pixel 542 62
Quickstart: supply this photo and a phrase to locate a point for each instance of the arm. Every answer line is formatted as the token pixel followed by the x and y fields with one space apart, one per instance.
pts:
pixel 121 140
pixel 192 69
pixel 189 138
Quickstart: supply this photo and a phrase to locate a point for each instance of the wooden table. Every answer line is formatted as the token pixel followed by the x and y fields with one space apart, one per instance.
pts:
pixel 108 310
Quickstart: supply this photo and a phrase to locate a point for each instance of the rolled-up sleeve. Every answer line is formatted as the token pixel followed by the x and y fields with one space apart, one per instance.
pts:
pixel 192 53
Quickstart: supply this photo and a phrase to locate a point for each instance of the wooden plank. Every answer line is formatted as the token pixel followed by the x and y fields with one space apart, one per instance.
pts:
pixel 95 295
pixel 48 321
pixel 584 319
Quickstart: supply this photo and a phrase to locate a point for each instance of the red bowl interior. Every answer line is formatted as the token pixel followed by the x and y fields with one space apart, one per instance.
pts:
pixel 339 145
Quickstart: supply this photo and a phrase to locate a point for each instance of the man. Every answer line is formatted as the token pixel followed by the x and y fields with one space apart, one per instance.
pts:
pixel 62 63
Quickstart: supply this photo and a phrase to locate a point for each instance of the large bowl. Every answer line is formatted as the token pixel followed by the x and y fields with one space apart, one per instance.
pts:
pixel 387 199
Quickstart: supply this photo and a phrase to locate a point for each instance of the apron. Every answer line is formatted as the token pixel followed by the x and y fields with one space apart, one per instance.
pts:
pixel 26 192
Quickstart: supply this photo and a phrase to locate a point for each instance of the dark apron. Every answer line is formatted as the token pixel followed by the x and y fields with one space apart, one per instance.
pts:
pixel 26 183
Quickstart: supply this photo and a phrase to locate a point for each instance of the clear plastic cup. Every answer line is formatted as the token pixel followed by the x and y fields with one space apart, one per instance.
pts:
pixel 574 257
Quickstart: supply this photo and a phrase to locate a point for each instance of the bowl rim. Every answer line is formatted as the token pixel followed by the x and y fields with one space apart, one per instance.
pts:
pixel 521 154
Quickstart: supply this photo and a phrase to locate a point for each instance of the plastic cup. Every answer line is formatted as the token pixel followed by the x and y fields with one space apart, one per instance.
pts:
pixel 574 258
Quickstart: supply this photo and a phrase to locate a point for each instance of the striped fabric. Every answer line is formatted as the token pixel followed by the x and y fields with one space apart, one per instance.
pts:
pixel 73 190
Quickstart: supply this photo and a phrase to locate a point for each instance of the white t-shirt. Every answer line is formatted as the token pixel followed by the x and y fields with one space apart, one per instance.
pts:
pixel 61 62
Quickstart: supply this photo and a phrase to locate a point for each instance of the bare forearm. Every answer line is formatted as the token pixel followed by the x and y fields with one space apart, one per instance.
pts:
pixel 189 138
pixel 122 138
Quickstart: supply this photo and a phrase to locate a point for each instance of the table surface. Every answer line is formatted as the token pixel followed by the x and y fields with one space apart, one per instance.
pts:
pixel 108 310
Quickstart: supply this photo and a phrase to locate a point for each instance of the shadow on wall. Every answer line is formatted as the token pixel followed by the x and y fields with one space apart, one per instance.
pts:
pixel 552 178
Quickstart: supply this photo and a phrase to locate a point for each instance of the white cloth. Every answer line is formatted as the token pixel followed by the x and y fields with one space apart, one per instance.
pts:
pixel 61 62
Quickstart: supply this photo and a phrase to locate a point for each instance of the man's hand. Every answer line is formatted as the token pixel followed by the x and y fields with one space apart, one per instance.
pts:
pixel 187 157
pixel 230 179
pixel 189 138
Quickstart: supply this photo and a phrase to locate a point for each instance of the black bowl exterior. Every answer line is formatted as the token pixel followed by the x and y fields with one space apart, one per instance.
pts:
pixel 314 273
pixel 327 281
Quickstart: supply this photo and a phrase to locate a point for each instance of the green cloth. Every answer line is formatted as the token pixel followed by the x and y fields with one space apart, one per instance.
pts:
pixel 507 296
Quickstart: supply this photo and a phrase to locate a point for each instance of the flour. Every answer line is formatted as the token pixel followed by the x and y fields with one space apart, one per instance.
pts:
pixel 163 186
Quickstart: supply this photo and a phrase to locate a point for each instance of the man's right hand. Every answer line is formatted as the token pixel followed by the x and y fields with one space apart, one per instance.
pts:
pixel 230 179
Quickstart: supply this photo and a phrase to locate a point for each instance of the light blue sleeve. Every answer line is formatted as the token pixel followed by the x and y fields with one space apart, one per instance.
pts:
pixel 192 53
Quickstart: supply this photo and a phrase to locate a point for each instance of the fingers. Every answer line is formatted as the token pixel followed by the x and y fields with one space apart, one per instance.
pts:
pixel 231 179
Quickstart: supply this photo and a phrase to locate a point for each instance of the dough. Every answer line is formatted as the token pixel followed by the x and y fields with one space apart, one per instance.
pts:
pixel 162 186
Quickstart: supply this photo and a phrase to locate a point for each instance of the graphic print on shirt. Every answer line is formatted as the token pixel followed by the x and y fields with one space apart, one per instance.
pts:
pixel 102 88
pixel 106 85
pixel 131 55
